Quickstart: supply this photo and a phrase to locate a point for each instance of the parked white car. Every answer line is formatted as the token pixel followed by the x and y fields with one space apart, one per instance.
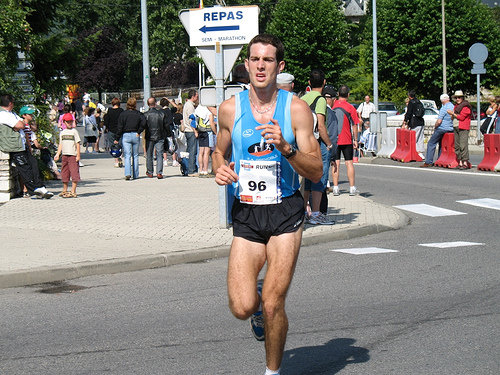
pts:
pixel 429 103
pixel 430 117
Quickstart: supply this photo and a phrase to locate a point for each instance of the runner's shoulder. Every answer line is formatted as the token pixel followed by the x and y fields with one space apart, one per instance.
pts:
pixel 299 105
pixel 226 110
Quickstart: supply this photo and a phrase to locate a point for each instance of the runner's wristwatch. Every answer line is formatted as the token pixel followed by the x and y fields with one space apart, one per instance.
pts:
pixel 293 151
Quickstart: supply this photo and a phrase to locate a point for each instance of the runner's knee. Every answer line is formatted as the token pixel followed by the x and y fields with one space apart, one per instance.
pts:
pixel 272 306
pixel 242 310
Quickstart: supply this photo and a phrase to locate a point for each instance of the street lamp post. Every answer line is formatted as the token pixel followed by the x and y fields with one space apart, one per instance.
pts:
pixel 145 52
pixel 375 55
pixel 443 33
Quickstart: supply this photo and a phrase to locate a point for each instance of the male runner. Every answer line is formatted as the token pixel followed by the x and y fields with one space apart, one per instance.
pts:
pixel 268 134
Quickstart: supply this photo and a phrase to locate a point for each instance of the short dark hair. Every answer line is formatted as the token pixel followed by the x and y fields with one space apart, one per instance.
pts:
pixel 411 93
pixel 115 101
pixel 191 93
pixel 6 99
pixel 240 74
pixel 344 91
pixel 151 101
pixel 316 78
pixel 269 39
pixel 164 102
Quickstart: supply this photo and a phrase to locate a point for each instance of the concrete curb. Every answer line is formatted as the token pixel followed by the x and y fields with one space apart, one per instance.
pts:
pixel 137 263
pixel 361 231
pixel 108 266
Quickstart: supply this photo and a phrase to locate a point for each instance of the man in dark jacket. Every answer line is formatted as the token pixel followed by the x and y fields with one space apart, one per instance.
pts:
pixel 111 124
pixel 415 122
pixel 157 127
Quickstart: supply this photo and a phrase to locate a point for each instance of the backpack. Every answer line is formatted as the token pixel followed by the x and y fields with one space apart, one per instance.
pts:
pixel 332 127
pixel 341 113
pixel 419 109
pixel 315 117
pixel 10 140
pixel 201 126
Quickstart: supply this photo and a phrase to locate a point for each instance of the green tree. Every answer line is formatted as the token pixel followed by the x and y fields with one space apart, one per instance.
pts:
pixel 315 35
pixel 14 36
pixel 105 63
pixel 409 44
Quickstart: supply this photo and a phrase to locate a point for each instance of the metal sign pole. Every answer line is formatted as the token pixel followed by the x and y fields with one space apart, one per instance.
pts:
pixel 219 93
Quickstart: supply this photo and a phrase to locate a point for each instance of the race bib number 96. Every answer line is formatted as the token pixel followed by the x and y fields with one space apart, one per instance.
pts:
pixel 259 182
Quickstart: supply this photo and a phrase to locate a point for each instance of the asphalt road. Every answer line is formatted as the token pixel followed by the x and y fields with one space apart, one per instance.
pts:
pixel 416 310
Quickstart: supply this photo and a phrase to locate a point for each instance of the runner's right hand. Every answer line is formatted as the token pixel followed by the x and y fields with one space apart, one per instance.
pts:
pixel 225 174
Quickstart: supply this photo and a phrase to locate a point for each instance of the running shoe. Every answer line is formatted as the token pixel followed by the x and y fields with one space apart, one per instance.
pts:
pixel 320 219
pixel 353 191
pixel 336 191
pixel 43 192
pixel 257 318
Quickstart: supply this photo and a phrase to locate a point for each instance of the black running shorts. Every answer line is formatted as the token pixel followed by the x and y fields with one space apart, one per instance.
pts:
pixel 347 150
pixel 258 223
pixel 203 139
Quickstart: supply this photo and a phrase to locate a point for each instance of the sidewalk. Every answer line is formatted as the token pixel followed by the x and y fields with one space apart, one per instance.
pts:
pixel 117 226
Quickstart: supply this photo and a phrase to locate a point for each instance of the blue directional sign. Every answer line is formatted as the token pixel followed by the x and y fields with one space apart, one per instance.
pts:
pixel 224 25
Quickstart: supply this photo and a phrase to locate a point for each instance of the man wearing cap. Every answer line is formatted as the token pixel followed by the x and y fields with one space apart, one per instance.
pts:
pixel 332 128
pixel 443 125
pixel 284 81
pixel 24 161
pixel 316 102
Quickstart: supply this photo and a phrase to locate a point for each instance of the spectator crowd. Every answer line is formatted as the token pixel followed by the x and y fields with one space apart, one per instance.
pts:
pixel 184 134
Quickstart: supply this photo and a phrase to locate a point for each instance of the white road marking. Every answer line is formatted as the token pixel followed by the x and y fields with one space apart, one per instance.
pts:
pixel 483 202
pixel 445 245
pixel 428 210
pixel 365 250
pixel 433 170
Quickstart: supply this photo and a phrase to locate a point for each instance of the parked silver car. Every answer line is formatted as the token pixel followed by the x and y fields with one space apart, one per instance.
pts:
pixel 389 108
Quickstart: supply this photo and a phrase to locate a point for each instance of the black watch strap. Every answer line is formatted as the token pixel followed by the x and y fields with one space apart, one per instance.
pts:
pixel 293 151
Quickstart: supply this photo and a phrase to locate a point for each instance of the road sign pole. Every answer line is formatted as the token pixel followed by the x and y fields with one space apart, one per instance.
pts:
pixel 478 116
pixel 478 53
pixel 219 93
